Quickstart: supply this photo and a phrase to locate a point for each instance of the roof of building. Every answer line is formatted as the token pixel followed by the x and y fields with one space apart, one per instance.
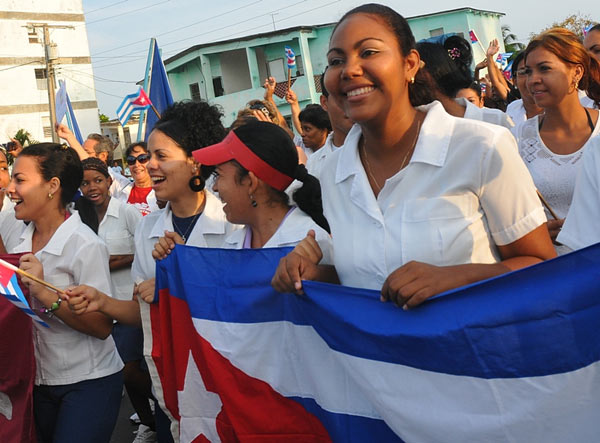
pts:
pixel 310 28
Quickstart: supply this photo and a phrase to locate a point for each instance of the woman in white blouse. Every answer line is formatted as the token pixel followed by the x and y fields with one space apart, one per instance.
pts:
pixel 552 144
pixel 418 201
pixel 78 371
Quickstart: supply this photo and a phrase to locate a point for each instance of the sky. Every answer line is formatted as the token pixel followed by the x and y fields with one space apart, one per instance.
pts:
pixel 119 30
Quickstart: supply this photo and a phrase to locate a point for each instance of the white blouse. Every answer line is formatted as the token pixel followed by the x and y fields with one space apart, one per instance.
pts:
pixel 291 232
pixel 210 231
pixel 117 229
pixel 73 256
pixel 488 115
pixel 464 191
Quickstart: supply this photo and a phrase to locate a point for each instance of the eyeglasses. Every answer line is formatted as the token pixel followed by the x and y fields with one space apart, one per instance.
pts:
pixel 142 158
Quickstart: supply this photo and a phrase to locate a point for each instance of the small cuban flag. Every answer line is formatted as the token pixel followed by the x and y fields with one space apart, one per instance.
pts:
pixel 502 58
pixel 131 103
pixel 472 36
pixel 291 57
pixel 9 288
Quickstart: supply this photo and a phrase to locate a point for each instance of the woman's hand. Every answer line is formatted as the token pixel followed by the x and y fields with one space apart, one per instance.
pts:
pixel 291 98
pixel 29 263
pixel 554 227
pixel 269 86
pixel 145 290
pixel 413 283
pixel 83 299
pixel 166 244
pixel 493 48
pixel 300 264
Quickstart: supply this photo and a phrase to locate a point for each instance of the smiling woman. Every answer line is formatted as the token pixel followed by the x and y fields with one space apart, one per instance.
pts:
pixel 416 199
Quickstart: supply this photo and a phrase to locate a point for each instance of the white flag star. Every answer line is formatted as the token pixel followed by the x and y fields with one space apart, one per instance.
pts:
pixel 198 407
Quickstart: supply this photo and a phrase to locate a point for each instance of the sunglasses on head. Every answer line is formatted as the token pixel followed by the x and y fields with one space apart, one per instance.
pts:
pixel 142 158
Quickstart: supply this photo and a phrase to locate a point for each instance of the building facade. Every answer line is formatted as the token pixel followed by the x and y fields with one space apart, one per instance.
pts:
pixel 230 73
pixel 23 77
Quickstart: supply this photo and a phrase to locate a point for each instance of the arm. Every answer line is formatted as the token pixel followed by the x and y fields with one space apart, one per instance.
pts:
pixel 84 301
pixel 120 261
pixel 269 86
pixel 478 67
pixel 292 99
pixel 96 324
pixel 495 75
pixel 65 133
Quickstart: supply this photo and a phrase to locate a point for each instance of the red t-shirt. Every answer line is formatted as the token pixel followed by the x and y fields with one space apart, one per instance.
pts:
pixel 137 197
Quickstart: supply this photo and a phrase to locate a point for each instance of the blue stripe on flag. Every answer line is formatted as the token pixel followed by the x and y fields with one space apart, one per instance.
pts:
pixel 533 322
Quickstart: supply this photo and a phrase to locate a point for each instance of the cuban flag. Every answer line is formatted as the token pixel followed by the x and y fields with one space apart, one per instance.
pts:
pixel 502 58
pixel 290 57
pixel 131 103
pixel 514 358
pixel 472 36
pixel 9 288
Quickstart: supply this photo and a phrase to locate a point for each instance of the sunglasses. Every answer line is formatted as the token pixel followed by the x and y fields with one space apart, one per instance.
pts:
pixel 142 158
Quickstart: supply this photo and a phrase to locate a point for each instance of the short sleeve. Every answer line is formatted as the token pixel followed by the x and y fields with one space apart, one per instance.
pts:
pixel 91 266
pixel 580 228
pixel 507 194
pixel 140 259
pixel 133 217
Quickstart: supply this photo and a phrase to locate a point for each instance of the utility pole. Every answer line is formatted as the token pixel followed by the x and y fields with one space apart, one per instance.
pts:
pixel 50 56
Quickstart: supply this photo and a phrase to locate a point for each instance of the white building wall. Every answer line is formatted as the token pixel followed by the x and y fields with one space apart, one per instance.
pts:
pixel 23 100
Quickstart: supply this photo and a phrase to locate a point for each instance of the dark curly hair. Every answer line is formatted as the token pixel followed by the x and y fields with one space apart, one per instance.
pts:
pixel 132 146
pixel 55 160
pixel 316 116
pixel 192 125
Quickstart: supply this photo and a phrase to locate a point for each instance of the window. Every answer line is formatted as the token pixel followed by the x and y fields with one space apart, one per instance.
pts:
pixel 47 131
pixel 218 86
pixel 41 78
pixel 299 66
pixel 195 92
pixel 32 35
pixel 277 70
pixel 436 32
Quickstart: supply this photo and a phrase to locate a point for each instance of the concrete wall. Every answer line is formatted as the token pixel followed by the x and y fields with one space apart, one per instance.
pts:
pixel 22 103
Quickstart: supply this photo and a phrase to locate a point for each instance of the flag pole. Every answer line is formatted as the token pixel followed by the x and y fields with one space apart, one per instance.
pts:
pixel 545 203
pixel 23 273
pixel 147 84
pixel 155 111
pixel 289 85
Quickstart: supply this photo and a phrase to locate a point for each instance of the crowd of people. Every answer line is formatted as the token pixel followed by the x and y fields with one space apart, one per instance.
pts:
pixel 408 178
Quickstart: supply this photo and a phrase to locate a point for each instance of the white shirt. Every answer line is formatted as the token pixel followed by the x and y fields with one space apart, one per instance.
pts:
pixel 464 191
pixel 10 228
pixel 73 256
pixel 210 231
pixel 291 232
pixel 585 100
pixel 117 229
pixel 315 161
pixel 553 174
pixel 516 111
pixel 494 116
pixel 150 206
pixel 581 226
pixel 118 182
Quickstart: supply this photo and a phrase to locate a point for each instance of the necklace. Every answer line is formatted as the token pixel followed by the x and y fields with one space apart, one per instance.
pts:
pixel 184 235
pixel 368 165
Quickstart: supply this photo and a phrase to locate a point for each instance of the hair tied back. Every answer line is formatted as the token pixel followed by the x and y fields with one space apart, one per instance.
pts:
pixel 454 53
pixel 301 173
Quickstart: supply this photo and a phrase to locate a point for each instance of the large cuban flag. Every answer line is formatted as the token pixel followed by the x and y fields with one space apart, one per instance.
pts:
pixel 511 359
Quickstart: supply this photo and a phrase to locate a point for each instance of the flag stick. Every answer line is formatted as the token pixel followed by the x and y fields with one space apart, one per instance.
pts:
pixel 30 276
pixel 545 203
pixel 289 78
pixel 155 111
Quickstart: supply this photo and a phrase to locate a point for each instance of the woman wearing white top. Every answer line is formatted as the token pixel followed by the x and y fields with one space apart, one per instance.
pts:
pixel 78 371
pixel 552 144
pixel 524 108
pixel 447 70
pixel 464 208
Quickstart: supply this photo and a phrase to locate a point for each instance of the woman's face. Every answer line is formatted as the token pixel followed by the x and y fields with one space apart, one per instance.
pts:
pixel 138 170
pixel 169 167
pixel 471 96
pixel 522 82
pixel 95 187
pixel 549 79
pixel 233 192
pixel 313 137
pixel 28 189
pixel 367 73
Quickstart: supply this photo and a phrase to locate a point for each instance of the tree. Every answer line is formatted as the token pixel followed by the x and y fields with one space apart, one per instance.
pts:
pixel 575 23
pixel 511 44
pixel 103 118
pixel 24 137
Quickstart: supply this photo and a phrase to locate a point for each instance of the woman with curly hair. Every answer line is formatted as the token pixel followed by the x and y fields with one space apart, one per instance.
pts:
pixel 552 144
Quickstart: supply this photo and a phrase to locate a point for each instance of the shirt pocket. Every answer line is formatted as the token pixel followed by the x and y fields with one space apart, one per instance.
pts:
pixel 119 243
pixel 436 230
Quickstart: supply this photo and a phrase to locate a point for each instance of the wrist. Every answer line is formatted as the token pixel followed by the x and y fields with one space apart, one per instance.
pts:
pixel 50 308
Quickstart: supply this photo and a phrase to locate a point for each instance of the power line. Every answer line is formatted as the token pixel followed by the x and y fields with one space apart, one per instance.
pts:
pixel 61 68
pixel 39 62
pixel 125 13
pixel 179 29
pixel 90 87
pixel 106 7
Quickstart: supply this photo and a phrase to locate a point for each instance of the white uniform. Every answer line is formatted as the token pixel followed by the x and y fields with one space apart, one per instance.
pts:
pixel 464 191
pixel 516 111
pixel 10 228
pixel 488 115
pixel 585 100
pixel 125 191
pixel 210 231
pixel 581 226
pixel 117 229
pixel 315 161
pixel 118 182
pixel 291 232
pixel 73 256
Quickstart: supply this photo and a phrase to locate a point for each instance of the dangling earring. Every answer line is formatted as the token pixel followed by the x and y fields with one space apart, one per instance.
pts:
pixel 412 80
pixel 196 183
pixel 252 201
pixel 50 196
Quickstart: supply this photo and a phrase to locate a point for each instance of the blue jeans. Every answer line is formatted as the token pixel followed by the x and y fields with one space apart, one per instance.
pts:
pixel 80 412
